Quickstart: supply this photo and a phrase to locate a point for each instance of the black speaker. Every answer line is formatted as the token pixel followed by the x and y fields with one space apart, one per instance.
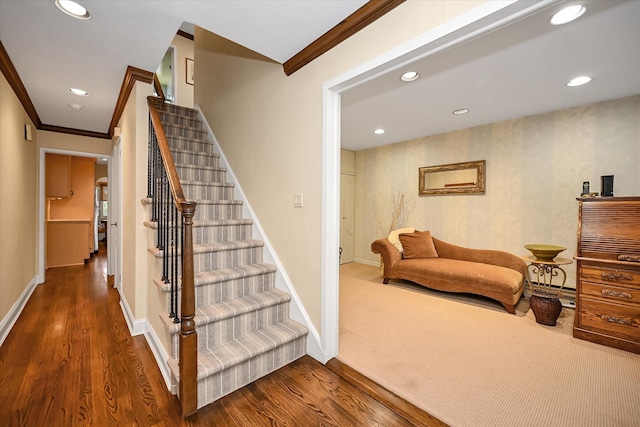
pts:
pixel 607 185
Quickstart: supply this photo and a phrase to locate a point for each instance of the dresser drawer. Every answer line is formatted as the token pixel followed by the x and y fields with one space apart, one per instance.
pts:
pixel 611 293
pixel 622 320
pixel 610 276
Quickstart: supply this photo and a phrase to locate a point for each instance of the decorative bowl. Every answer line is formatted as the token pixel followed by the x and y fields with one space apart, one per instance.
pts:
pixel 545 252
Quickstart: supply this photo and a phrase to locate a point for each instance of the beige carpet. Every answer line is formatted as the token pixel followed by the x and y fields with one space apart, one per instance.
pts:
pixel 469 363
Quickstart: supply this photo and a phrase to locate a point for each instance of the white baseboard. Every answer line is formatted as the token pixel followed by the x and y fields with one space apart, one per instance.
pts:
pixel 143 327
pixel 298 312
pixel 367 262
pixel 10 319
pixel 136 327
pixel 159 353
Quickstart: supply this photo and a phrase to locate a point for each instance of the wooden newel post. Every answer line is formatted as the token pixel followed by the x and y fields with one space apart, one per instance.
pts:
pixel 188 336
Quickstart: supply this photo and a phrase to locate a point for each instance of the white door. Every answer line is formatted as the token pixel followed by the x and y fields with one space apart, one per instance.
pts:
pixel 114 216
pixel 347 213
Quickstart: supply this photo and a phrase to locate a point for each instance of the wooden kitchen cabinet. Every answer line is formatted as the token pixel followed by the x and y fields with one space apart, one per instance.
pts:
pixel 57 175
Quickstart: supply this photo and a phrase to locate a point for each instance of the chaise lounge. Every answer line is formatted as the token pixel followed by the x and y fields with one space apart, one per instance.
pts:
pixel 494 274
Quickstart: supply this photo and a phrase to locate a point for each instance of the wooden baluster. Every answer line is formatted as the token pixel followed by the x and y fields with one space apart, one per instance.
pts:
pixel 188 335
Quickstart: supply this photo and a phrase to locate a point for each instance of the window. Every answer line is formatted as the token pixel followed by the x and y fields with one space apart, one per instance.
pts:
pixel 105 208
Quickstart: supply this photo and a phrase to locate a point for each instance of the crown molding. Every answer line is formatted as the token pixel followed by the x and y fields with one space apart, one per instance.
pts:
pixel 131 76
pixel 370 12
pixel 72 131
pixel 11 74
pixel 185 35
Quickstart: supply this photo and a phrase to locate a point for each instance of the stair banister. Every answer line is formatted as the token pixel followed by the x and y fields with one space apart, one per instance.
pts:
pixel 188 338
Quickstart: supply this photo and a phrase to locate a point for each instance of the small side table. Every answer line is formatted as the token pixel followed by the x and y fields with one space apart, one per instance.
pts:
pixel 545 300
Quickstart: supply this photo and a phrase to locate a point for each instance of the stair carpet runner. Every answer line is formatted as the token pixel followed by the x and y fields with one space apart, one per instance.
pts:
pixel 242 320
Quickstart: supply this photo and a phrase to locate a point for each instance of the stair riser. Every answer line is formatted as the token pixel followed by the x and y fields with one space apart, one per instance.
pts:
pixel 185 121
pixel 215 233
pixel 187 112
pixel 191 133
pixel 203 175
pixel 222 383
pixel 195 159
pixel 222 211
pixel 221 332
pixel 224 259
pixel 235 288
pixel 207 192
pixel 201 146
pixel 215 293
pixel 221 233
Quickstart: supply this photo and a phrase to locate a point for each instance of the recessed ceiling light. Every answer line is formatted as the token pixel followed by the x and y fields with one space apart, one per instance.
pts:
pixel 378 131
pixel 73 9
pixel 568 14
pixel 78 92
pixel 461 111
pixel 75 107
pixel 409 76
pixel 579 81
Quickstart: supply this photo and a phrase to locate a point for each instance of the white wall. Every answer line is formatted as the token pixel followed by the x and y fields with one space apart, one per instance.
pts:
pixel 534 172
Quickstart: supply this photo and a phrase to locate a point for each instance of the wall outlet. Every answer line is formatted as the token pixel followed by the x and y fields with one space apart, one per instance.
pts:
pixel 297 200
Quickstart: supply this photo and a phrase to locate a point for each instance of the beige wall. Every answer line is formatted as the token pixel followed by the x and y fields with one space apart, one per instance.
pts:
pixel 18 200
pixel 534 172
pixel 183 49
pixel 81 144
pixel 134 188
pixel 270 128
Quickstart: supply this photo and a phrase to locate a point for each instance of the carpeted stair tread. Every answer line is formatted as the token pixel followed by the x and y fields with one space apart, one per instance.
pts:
pixel 149 201
pixel 210 313
pixel 207 168
pixel 209 277
pixel 216 247
pixel 207 222
pixel 244 348
pixel 191 152
pixel 207 184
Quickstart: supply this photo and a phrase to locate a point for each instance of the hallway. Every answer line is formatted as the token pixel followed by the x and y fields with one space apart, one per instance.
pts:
pixel 70 360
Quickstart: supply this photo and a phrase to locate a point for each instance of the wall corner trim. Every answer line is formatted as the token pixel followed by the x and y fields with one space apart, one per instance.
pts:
pixel 131 76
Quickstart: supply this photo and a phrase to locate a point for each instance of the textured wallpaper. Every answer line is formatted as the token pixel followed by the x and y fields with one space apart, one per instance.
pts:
pixel 534 172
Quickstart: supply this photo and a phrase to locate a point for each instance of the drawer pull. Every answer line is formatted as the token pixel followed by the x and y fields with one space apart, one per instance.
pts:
pixel 617 294
pixel 616 276
pixel 630 258
pixel 618 320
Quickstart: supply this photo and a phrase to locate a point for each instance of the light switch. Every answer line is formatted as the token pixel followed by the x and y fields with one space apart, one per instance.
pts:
pixel 297 200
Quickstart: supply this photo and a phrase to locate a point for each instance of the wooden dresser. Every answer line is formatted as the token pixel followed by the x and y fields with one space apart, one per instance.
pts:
pixel 608 276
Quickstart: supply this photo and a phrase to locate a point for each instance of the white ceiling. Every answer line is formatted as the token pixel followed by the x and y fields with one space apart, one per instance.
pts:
pixel 515 71
pixel 53 52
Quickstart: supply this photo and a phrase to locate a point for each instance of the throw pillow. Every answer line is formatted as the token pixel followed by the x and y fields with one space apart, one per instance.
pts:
pixel 418 245
pixel 393 236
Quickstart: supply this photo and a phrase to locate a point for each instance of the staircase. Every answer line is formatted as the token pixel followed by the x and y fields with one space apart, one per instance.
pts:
pixel 242 320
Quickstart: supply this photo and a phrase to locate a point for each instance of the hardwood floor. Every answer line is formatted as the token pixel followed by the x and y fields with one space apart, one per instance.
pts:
pixel 70 360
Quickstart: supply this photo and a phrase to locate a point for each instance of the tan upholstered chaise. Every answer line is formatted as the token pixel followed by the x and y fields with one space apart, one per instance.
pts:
pixel 493 274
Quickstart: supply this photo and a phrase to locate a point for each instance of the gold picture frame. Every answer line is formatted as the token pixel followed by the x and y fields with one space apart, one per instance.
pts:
pixel 454 178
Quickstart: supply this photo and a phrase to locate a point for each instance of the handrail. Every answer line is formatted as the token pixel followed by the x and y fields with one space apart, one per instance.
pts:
pixel 158 87
pixel 167 159
pixel 168 232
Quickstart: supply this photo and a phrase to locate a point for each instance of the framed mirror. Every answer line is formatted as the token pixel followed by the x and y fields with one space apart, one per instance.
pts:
pixel 455 178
